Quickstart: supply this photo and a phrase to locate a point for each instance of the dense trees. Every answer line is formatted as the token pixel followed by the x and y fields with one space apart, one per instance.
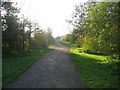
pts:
pixel 20 34
pixel 96 27
pixel 10 26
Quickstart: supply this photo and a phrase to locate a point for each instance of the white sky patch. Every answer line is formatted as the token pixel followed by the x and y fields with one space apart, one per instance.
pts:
pixel 50 13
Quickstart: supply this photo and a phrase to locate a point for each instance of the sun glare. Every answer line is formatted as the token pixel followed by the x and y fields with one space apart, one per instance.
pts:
pixel 50 13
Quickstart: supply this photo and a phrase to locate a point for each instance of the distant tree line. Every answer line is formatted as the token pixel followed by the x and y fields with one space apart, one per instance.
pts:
pixel 19 34
pixel 96 27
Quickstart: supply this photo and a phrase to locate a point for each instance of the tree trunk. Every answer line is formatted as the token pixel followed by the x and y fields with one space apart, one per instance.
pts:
pixel 23 45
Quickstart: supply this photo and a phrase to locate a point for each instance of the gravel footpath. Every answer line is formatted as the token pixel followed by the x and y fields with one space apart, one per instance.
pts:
pixel 54 70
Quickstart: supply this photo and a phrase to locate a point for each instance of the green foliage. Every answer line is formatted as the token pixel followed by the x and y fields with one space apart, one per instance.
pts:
pixel 21 34
pixel 39 40
pixel 66 38
pixel 72 38
pixel 42 39
pixel 79 41
pixel 15 64
pixel 114 66
pixel 102 30
pixel 96 27
pixel 69 38
pixel 10 30
pixel 68 44
pixel 89 44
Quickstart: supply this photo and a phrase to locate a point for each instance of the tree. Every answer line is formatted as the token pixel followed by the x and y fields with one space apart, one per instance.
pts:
pixel 103 24
pixel 38 41
pixel 19 33
pixel 10 30
pixel 49 37
pixel 96 26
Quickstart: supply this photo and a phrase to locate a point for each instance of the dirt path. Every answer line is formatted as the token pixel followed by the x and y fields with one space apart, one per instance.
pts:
pixel 53 70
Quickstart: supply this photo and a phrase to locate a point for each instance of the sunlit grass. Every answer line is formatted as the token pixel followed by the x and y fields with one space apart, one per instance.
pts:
pixel 95 70
pixel 53 45
pixel 68 44
pixel 92 56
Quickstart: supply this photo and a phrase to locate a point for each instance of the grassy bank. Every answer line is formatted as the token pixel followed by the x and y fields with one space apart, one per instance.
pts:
pixel 14 65
pixel 96 70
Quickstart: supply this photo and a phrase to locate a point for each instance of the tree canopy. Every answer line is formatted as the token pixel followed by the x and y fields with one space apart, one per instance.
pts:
pixel 96 27
pixel 20 34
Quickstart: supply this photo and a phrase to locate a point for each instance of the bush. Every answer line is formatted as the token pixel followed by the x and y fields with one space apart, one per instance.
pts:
pixel 78 42
pixel 114 65
pixel 87 51
pixel 80 50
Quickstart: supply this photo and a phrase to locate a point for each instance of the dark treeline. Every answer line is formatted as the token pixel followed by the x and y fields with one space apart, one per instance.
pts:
pixel 19 34
pixel 96 27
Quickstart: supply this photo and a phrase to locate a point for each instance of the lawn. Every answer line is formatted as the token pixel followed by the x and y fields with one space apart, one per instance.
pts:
pixel 15 65
pixel 96 70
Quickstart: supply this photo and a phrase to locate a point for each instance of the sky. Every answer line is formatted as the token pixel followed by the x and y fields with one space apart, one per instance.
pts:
pixel 50 13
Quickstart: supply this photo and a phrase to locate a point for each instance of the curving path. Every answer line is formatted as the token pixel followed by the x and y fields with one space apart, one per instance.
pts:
pixel 53 70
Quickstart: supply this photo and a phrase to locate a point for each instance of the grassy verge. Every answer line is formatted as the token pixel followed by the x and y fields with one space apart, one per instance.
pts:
pixel 68 44
pixel 94 69
pixel 14 65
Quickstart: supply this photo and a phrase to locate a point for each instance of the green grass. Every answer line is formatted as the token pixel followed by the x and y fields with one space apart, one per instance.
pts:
pixel 68 44
pixel 95 70
pixel 15 65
